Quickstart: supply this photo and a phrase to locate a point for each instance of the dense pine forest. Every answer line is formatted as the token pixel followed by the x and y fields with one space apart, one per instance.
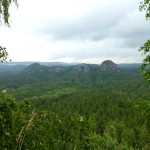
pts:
pixel 74 107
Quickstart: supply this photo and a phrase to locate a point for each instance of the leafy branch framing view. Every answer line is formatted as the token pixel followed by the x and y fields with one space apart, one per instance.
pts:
pixel 4 19
pixel 98 110
pixel 145 49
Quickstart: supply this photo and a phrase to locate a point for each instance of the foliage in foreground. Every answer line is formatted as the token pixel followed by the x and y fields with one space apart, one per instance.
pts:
pixel 145 6
pixel 76 111
pixel 3 54
pixel 23 127
pixel 4 19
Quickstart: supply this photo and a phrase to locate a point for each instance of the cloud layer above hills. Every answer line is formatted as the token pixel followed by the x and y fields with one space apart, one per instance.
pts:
pixel 87 31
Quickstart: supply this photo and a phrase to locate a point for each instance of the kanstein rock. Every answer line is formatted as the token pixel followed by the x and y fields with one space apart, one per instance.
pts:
pixel 109 65
pixel 85 68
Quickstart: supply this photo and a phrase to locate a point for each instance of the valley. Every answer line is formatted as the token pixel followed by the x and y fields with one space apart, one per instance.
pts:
pixel 79 106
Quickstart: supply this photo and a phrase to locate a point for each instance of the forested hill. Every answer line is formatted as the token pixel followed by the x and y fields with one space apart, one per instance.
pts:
pixel 79 106
pixel 80 75
pixel 79 68
pixel 19 66
pixel 37 76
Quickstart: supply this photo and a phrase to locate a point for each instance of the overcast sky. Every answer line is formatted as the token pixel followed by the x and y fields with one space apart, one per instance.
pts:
pixel 88 31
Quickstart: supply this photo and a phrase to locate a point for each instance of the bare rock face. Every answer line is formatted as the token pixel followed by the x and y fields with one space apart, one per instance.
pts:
pixel 56 69
pixel 35 68
pixel 76 69
pixel 86 68
pixel 109 65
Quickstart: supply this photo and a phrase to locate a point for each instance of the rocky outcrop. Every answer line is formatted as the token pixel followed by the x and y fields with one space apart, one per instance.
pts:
pixel 81 68
pixel 37 68
pixel 109 65
pixel 86 68
pixel 76 69
pixel 56 69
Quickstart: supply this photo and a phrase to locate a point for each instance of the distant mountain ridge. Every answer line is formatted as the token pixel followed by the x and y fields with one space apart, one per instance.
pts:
pixel 42 63
pixel 131 65
pixel 38 68
pixel 107 65
pixel 57 66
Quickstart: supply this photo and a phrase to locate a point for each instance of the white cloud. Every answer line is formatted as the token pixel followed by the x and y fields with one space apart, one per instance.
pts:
pixel 75 30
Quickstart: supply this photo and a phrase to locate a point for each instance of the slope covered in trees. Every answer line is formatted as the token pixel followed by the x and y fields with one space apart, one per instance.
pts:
pixel 98 109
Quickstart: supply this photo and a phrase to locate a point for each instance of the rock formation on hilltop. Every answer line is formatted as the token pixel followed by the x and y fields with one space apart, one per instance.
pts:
pixel 109 65
pixel 37 68
pixel 85 68
pixel 76 69
pixel 56 69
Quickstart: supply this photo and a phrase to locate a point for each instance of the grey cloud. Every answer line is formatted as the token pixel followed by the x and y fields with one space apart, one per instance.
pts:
pixel 114 29
pixel 82 30
pixel 118 23
pixel 95 25
pixel 113 22
pixel 83 52
pixel 131 42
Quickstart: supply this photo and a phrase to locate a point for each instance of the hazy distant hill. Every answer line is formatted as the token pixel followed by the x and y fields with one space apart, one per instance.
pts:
pixel 20 66
pixel 42 63
pixel 106 66
pixel 11 68
pixel 134 65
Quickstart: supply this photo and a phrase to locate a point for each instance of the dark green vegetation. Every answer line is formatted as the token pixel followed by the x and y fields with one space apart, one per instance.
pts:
pixel 145 48
pixel 3 54
pixel 4 11
pixel 74 107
